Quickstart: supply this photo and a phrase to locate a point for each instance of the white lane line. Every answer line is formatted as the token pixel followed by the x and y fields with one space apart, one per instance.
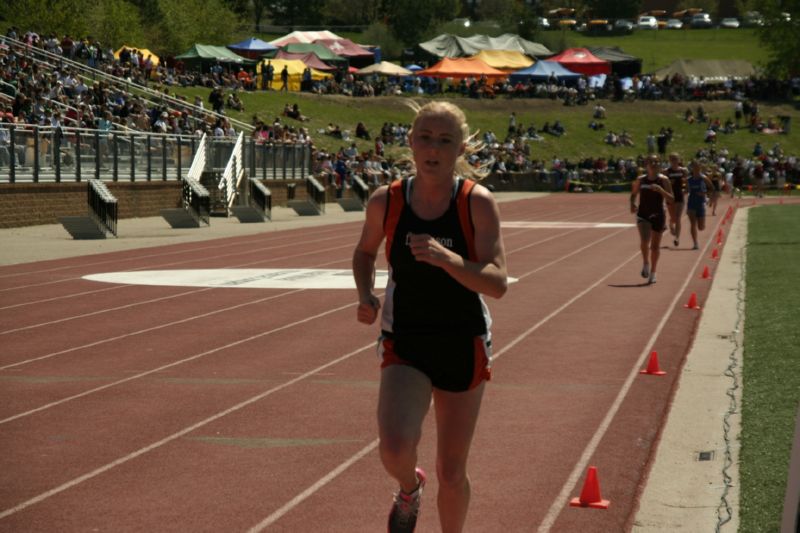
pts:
pixel 62 297
pixel 96 472
pixel 310 491
pixel 591 447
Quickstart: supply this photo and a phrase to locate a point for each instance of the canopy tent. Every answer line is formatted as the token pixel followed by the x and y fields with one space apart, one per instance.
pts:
pixel 464 67
pixel 447 45
pixel 345 48
pixel 622 64
pixel 541 71
pixel 303 37
pixel 201 56
pixel 504 59
pixel 312 48
pixel 583 61
pixel 355 53
pixel 145 52
pixel 709 69
pixel 253 48
pixel 384 68
pixel 295 69
pixel 309 59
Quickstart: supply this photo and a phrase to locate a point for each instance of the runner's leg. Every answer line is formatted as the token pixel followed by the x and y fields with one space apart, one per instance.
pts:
pixel 404 399
pixel 456 416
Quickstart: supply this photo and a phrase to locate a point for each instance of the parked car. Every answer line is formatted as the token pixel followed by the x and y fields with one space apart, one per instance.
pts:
pixel 674 24
pixel 623 24
pixel 701 20
pixel 752 19
pixel 729 22
pixel 647 22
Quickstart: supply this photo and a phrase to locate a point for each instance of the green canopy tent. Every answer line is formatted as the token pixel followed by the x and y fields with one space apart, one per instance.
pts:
pixel 320 51
pixel 202 56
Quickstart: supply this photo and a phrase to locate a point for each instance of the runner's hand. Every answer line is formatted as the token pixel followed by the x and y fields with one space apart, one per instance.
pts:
pixel 427 249
pixel 368 311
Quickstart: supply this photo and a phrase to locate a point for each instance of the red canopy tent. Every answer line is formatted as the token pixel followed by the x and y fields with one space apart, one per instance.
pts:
pixel 310 59
pixel 583 61
pixel 462 67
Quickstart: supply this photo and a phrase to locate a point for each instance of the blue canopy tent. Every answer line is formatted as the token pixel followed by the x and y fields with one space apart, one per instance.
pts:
pixel 252 48
pixel 541 71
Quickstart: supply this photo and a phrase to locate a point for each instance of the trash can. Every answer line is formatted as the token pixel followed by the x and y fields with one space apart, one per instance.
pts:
pixel 786 124
pixel 290 189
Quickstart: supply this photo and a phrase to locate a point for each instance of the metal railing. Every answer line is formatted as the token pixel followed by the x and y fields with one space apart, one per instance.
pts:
pixel 315 193
pixel 199 161
pixel 32 154
pixel 196 200
pixel 233 173
pixel 102 206
pixel 261 197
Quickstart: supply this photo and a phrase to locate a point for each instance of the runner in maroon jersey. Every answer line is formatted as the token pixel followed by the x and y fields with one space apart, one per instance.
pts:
pixel 651 189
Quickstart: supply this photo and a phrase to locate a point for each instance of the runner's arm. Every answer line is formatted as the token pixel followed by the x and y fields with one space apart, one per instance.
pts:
pixel 365 254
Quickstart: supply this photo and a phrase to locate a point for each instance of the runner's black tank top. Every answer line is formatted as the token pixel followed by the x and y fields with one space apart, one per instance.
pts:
pixel 422 299
pixel 650 201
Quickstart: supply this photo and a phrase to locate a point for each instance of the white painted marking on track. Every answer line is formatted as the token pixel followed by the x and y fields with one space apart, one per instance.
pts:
pixel 244 278
pixel 541 224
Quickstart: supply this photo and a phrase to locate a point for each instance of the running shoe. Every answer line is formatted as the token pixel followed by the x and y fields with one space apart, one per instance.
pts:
pixel 652 278
pixel 676 242
pixel 403 516
pixel 645 270
pixel 695 247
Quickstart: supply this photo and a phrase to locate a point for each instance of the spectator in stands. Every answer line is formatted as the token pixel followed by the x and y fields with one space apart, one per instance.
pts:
pixel 234 102
pixel 362 132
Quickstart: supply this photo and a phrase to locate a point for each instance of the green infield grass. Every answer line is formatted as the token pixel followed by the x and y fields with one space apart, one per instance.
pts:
pixel 771 371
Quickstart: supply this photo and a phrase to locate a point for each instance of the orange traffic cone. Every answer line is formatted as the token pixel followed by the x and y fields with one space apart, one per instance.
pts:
pixel 590 494
pixel 714 253
pixel 706 273
pixel 692 303
pixel 652 366
pixel 719 237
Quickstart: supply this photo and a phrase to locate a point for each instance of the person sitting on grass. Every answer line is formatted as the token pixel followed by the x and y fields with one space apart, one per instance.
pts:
pixel 362 132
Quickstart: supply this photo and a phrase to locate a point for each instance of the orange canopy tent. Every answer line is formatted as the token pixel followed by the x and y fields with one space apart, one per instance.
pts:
pixel 463 67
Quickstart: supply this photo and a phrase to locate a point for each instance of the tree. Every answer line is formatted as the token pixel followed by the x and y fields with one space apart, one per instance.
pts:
pixel 780 36
pixel 352 12
pixel 295 12
pixel 181 23
pixel 410 20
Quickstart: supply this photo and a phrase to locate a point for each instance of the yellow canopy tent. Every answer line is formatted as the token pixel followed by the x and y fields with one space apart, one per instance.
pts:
pixel 504 59
pixel 145 52
pixel 295 68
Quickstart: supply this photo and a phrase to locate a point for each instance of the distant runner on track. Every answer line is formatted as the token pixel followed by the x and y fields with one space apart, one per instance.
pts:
pixel 651 190
pixel 677 175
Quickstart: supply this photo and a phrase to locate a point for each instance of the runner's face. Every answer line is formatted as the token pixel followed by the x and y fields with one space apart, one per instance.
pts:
pixel 436 143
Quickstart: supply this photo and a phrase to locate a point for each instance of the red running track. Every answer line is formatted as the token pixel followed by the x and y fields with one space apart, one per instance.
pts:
pixel 146 408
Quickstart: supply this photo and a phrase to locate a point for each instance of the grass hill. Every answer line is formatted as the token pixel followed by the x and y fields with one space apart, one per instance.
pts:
pixel 638 118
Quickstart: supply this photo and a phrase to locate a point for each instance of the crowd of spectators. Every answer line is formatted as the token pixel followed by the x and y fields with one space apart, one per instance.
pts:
pixel 61 97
